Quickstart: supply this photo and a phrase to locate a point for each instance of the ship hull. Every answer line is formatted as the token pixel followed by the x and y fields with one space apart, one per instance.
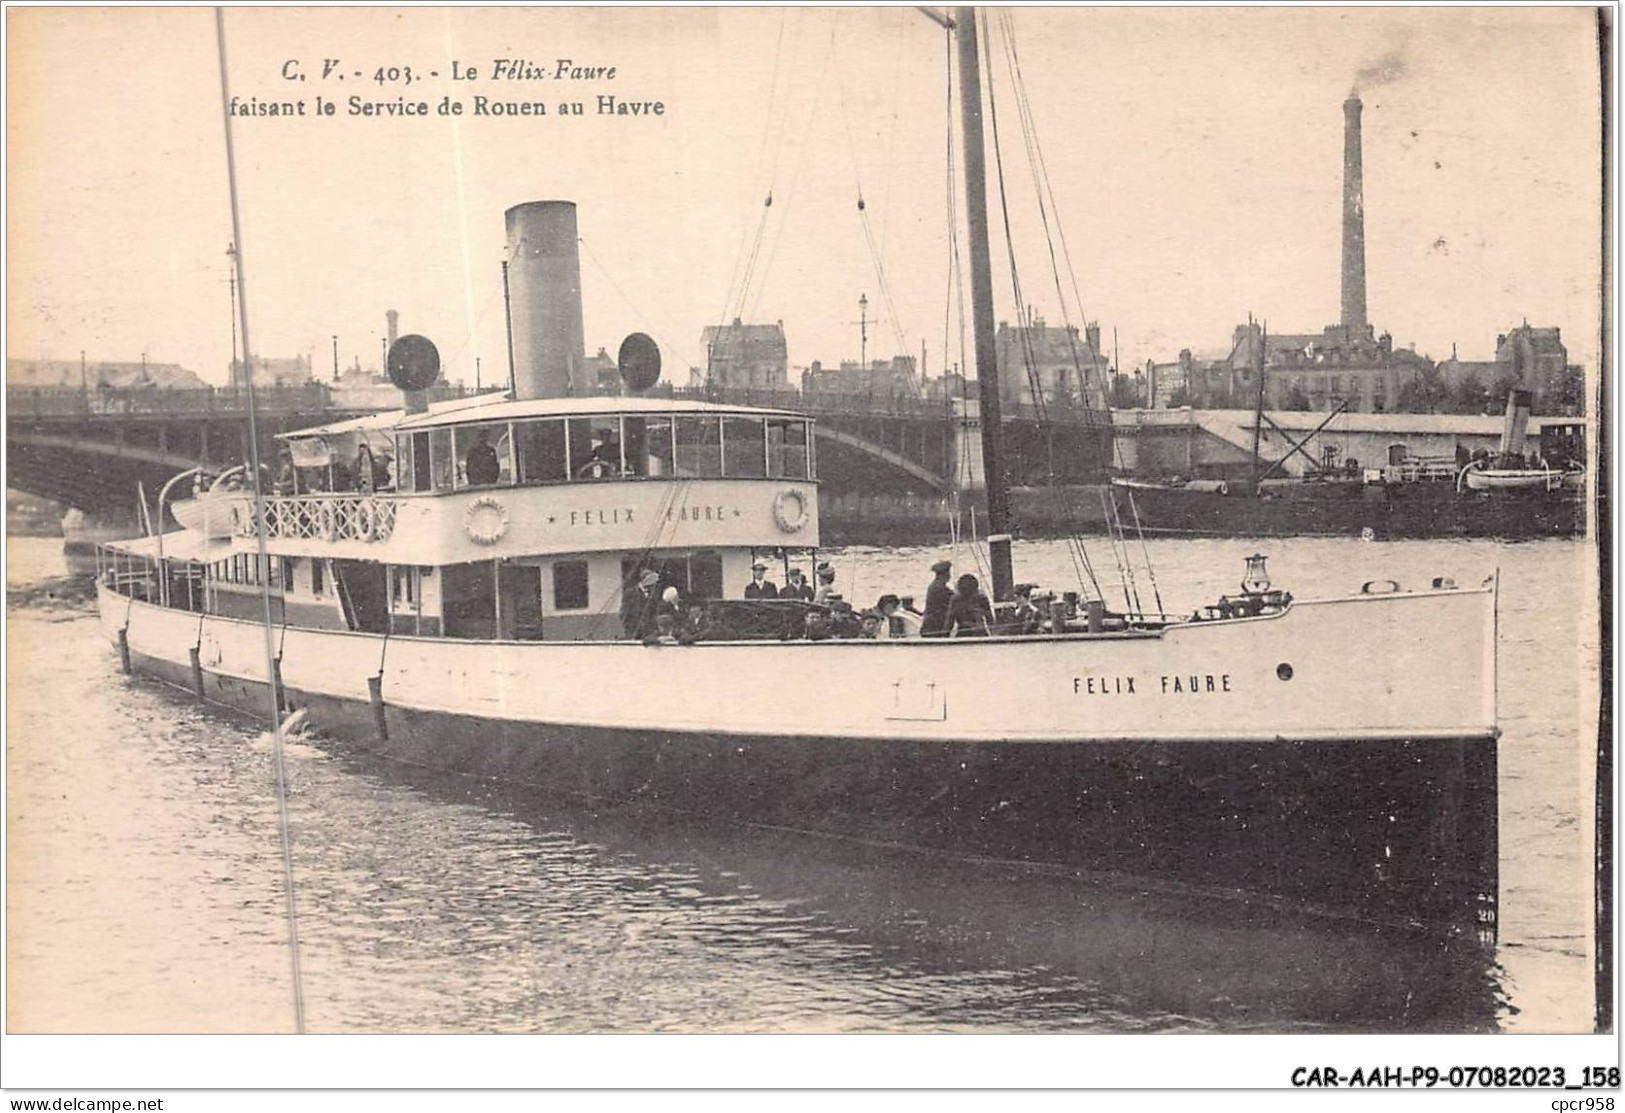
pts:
pixel 1393 830
pixel 1429 510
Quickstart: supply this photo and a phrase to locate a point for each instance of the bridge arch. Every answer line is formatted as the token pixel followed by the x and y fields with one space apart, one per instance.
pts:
pixel 918 471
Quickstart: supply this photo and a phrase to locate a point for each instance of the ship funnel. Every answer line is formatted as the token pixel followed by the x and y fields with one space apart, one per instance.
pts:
pixel 1517 423
pixel 1353 217
pixel 544 278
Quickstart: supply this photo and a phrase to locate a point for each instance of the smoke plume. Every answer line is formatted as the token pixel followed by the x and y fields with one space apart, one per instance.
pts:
pixel 1384 71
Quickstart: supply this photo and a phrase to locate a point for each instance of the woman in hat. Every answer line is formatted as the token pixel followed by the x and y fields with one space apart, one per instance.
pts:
pixel 826 584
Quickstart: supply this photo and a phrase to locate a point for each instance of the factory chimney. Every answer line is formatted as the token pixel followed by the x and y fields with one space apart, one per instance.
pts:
pixel 392 328
pixel 1353 219
pixel 544 269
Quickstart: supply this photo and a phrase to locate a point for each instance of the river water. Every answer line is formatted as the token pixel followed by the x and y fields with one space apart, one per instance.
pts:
pixel 145 875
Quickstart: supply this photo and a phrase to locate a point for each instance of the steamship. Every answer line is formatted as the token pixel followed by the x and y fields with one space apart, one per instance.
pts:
pixel 446 584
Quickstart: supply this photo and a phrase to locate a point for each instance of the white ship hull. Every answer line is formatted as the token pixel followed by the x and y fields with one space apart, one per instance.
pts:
pixel 1179 759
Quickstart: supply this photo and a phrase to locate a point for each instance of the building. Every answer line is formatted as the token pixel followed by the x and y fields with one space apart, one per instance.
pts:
pixel 746 356
pixel 1532 359
pixel 275 372
pixel 1342 364
pixel 881 379
pixel 1056 365
pixel 603 373
pixel 76 375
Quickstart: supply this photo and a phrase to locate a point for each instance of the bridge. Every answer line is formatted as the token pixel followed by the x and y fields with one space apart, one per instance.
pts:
pixel 90 448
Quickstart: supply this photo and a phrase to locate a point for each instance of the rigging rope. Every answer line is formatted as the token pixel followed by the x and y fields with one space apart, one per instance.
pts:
pixel 271 670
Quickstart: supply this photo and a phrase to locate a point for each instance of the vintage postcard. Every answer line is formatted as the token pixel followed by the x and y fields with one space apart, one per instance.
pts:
pixel 812 520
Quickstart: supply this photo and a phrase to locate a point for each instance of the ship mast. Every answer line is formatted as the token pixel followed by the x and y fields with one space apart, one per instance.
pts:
pixel 981 271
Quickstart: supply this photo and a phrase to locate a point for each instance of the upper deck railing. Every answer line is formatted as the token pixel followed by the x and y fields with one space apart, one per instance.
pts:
pixel 318 399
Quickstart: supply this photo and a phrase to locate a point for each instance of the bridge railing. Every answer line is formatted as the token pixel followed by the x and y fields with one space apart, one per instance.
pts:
pixel 848 404
pixel 324 517
pixel 314 398
pixel 157 401
pixel 311 398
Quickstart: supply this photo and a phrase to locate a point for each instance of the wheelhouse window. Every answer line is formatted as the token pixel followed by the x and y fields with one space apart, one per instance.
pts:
pixel 405 468
pixel 787 454
pixel 744 455
pixel 699 445
pixel 443 459
pixel 484 455
pixel 649 450
pixel 595 448
pixel 541 449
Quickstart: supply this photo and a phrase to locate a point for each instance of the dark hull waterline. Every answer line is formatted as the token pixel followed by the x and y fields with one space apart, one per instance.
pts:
pixel 1398 834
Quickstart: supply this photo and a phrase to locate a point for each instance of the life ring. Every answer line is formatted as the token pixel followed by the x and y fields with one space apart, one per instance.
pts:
pixel 1379 587
pixel 790 510
pixel 327 522
pixel 365 520
pixel 485 520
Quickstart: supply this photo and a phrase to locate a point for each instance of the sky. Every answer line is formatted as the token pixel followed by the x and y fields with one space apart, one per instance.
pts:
pixel 1194 157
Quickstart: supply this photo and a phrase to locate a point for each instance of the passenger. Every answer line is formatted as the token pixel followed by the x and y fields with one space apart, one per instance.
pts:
pixel 286 480
pixel 481 466
pixel 364 469
pixel 664 632
pixel 701 625
pixel 970 615
pixel 826 584
pixel 760 587
pixel 671 602
pixel 1026 618
pixel 639 604
pixel 796 587
pixel 383 472
pixel 938 597
pixel 897 621
pixel 871 625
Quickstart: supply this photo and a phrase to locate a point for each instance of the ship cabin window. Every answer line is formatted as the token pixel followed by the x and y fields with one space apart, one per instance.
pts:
pixel 649 448
pixel 1397 453
pixel 569 585
pixel 787 455
pixel 287 573
pixel 541 448
pixel 698 445
pixel 442 460
pixel 595 447
pixel 318 578
pixel 744 453
pixel 405 471
pixel 402 592
pixel 484 455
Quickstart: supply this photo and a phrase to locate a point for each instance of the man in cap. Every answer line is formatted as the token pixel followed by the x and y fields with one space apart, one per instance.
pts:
pixel 796 588
pixel 760 587
pixel 937 598
pixel 639 604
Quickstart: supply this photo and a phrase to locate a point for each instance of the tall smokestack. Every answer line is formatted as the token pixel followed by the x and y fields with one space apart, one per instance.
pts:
pixel 392 327
pixel 1353 218
pixel 544 268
